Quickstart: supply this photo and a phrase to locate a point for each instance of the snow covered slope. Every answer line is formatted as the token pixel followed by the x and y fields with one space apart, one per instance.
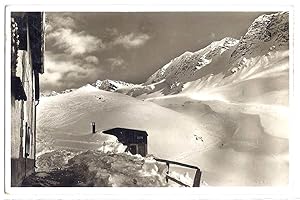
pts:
pixel 251 90
pixel 259 67
pixel 262 53
pixel 250 146
pixel 263 79
pixel 184 129
pixel 67 118
pixel 64 126
pixel 187 65
pixel 54 93
pixel 268 33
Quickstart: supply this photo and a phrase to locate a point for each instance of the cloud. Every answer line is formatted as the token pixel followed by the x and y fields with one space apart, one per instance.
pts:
pixel 73 53
pixel 54 22
pixel 132 40
pixel 61 71
pixel 75 43
pixel 92 59
pixel 115 61
pixel 68 59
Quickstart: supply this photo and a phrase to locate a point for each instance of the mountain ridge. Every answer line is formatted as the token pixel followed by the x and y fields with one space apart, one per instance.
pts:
pixel 219 63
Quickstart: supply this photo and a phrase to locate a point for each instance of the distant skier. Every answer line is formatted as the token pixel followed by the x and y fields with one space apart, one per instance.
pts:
pixel 199 138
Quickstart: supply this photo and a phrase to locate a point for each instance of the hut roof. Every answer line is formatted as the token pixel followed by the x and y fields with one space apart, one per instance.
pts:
pixel 119 129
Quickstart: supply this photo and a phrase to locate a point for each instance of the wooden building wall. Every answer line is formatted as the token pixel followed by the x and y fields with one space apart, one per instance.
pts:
pixel 23 120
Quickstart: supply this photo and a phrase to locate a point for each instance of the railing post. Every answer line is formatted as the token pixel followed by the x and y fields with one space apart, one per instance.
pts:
pixel 197 178
pixel 168 169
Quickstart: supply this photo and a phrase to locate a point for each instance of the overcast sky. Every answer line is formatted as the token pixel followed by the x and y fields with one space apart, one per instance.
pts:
pixel 84 47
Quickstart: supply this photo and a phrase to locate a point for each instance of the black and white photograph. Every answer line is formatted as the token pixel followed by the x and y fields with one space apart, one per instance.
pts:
pixel 148 98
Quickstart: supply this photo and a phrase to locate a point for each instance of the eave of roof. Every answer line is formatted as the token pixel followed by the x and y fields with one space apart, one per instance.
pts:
pixel 140 131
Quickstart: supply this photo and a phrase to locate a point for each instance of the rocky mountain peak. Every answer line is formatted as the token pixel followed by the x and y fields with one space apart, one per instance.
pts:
pixel 111 85
pixel 190 62
pixel 267 31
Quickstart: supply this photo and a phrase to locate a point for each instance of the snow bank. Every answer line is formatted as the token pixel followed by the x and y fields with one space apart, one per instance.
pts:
pixel 112 147
pixel 95 168
pixel 53 160
pixel 101 169
pixel 106 169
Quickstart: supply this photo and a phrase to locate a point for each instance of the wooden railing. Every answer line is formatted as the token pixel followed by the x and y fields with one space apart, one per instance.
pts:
pixel 197 177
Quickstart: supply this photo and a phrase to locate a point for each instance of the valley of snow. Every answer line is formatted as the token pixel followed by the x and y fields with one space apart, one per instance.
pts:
pixel 68 117
pixel 224 108
pixel 229 144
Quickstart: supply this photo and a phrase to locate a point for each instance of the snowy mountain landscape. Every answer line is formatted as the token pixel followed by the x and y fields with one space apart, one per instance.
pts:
pixel 223 108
